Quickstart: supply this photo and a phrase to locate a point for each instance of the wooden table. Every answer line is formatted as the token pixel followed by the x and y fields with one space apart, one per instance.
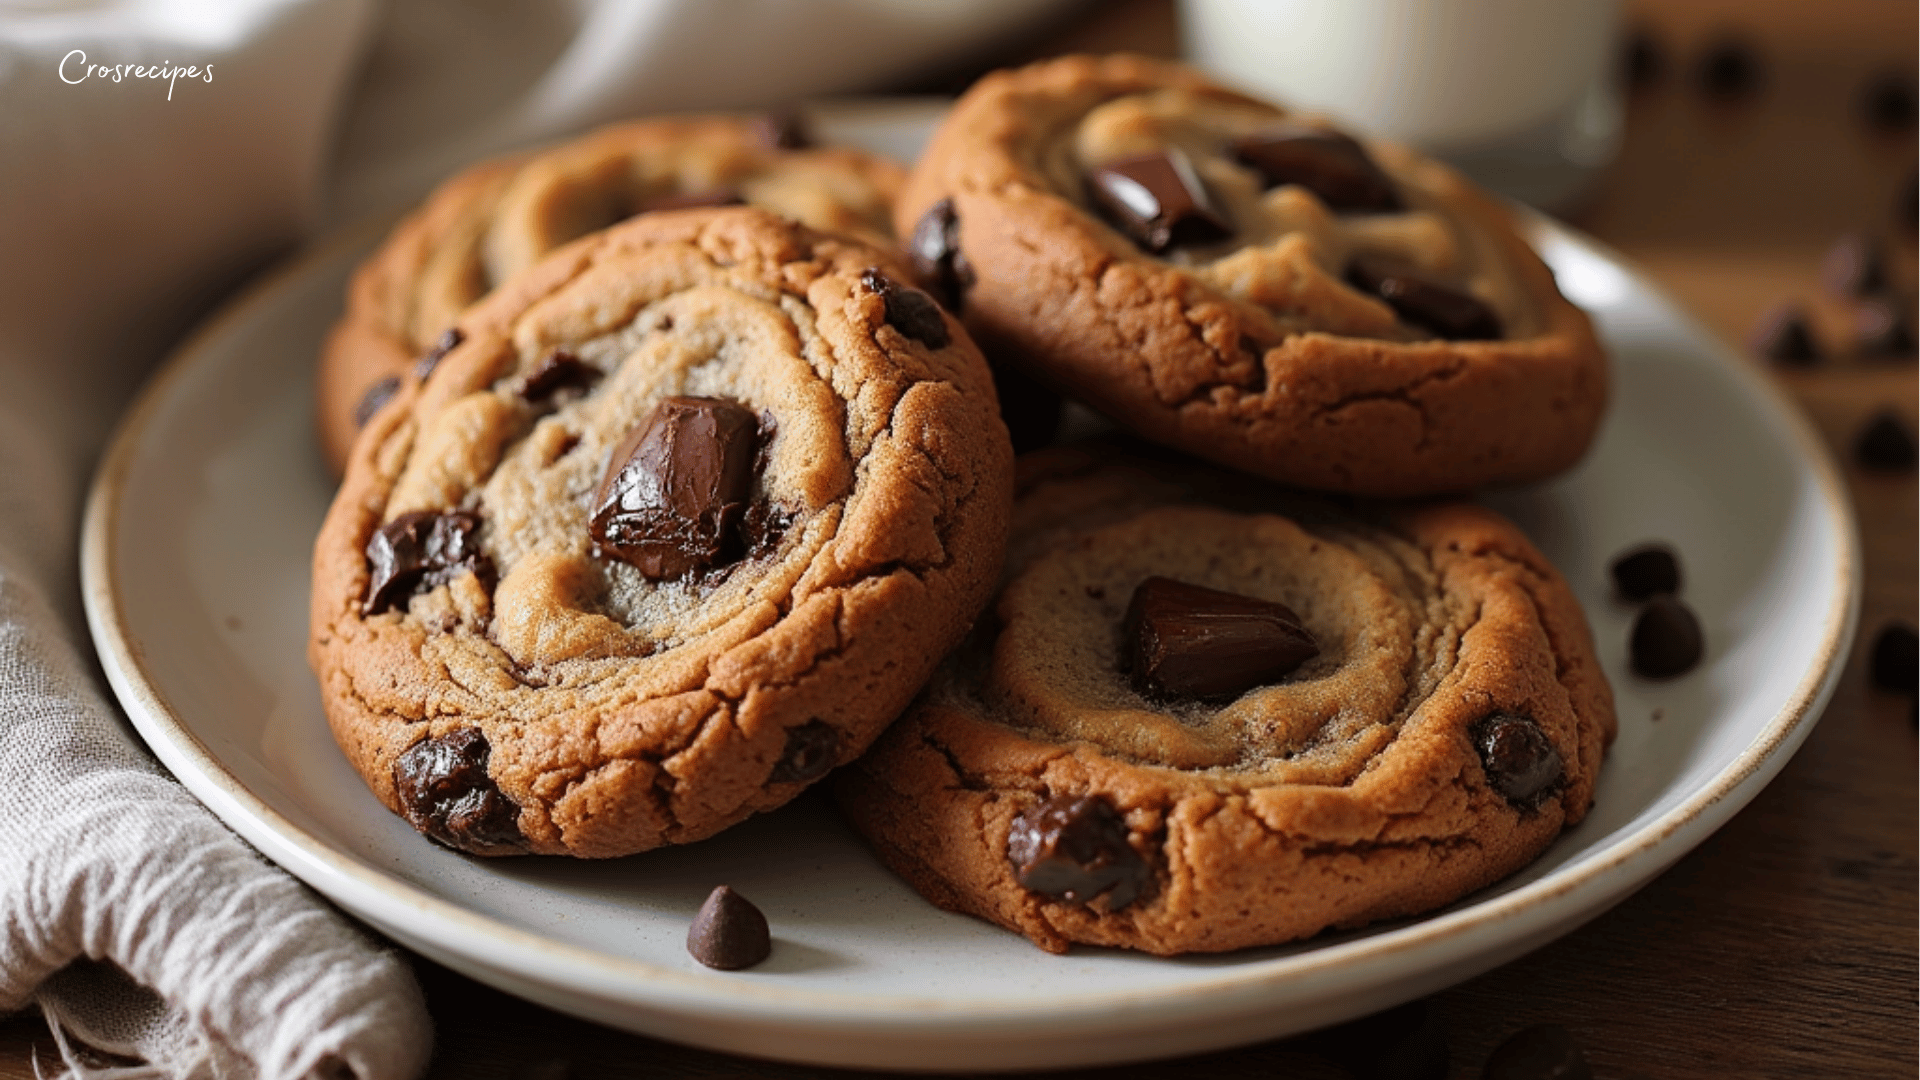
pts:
pixel 1786 944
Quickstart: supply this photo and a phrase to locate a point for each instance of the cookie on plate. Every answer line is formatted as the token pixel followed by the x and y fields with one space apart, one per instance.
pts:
pixel 495 219
pixel 1249 285
pixel 684 520
pixel 1208 715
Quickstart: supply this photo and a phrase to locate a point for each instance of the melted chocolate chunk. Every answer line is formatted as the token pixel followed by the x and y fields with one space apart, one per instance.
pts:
pixel 1782 335
pixel 430 359
pixel 445 792
pixel 1854 266
pixel 1158 200
pixel 1191 641
pixel 909 311
pixel 783 129
pixel 1885 444
pixel 1520 760
pixel 558 370
pixel 811 750
pixel 1450 314
pixel 1888 104
pixel 1896 659
pixel 375 399
pixel 1666 639
pixel 1074 848
pixel 729 933
pixel 689 200
pixel 1880 328
pixel 1646 571
pixel 676 487
pixel 762 528
pixel 1541 1052
pixel 1327 163
pixel 1728 69
pixel 935 251
pixel 419 550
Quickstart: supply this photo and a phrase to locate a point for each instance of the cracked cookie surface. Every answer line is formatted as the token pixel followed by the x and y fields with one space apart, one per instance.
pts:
pixel 1449 725
pixel 1250 286
pixel 504 652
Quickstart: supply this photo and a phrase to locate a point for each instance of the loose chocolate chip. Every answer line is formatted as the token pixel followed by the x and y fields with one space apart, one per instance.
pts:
pixel 445 792
pixel 1159 200
pixel 783 129
pixel 1896 659
pixel 1074 848
pixel 937 258
pixel 676 487
pixel 729 933
pixel 1645 571
pixel 1453 315
pixel 419 550
pixel 689 200
pixel 811 750
pixel 558 370
pixel 1728 69
pixel 374 399
pixel 1643 62
pixel 1541 1052
pixel 1884 444
pixel 1887 103
pixel 1880 328
pixel 1406 1042
pixel 430 359
pixel 1854 266
pixel 1191 641
pixel 1327 163
pixel 1782 335
pixel 1520 761
pixel 1666 639
pixel 909 311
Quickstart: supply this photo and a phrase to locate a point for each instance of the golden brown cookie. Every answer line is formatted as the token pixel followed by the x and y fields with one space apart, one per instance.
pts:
pixel 1207 715
pixel 1256 288
pixel 486 224
pixel 683 521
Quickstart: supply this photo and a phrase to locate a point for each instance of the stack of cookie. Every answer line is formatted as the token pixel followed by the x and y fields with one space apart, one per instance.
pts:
pixel 680 514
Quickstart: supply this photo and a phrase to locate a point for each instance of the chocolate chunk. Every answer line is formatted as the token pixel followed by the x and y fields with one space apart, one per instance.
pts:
pixel 1666 639
pixel 691 199
pixel 1896 659
pixel 1074 848
pixel 1782 335
pixel 430 359
pixel 1887 103
pixel 729 933
pixel 1728 69
pixel 1159 200
pixel 1327 163
pixel 1191 641
pixel 1646 571
pixel 1884 444
pixel 812 748
pixel 375 399
pixel 1643 62
pixel 909 311
pixel 558 370
pixel 783 129
pixel 1854 266
pixel 935 251
pixel 763 526
pixel 1880 328
pixel 445 792
pixel 676 487
pixel 1541 1052
pixel 419 550
pixel 1521 762
pixel 1406 1042
pixel 1453 315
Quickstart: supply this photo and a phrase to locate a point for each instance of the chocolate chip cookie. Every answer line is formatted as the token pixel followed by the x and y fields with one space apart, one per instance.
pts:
pixel 1249 285
pixel 1206 714
pixel 493 220
pixel 687 515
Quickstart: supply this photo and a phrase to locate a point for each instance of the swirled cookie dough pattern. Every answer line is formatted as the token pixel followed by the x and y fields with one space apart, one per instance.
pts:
pixel 1451 725
pixel 506 671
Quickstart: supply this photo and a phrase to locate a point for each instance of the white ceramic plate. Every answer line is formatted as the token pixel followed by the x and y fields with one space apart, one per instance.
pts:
pixel 195 561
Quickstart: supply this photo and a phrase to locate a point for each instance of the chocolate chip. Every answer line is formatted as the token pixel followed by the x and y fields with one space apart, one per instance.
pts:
pixel 783 129
pixel 1450 314
pixel 1159 200
pixel 1406 1042
pixel 935 252
pixel 1887 103
pixel 1782 335
pixel 1645 571
pixel 558 370
pixel 1520 761
pixel 445 792
pixel 1896 659
pixel 375 399
pixel 909 311
pixel 1666 639
pixel 1327 163
pixel 1074 848
pixel 419 550
pixel 676 487
pixel 1190 641
pixel 1643 61
pixel 1728 69
pixel 691 199
pixel 1854 266
pixel 1884 444
pixel 812 748
pixel 430 359
pixel 729 933
pixel 1880 328
pixel 1541 1052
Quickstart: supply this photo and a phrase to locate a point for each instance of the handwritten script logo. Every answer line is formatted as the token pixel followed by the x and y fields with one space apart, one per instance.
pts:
pixel 75 63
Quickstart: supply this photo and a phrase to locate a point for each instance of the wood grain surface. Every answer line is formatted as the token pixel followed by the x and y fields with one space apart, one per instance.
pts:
pixel 1785 945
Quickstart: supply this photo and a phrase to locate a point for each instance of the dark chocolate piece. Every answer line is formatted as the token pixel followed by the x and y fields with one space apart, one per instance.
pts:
pixel 375 399
pixel 558 370
pixel 1643 61
pixel 430 359
pixel 783 129
pixel 1782 335
pixel 1406 1042
pixel 1728 69
pixel 419 550
pixel 1158 200
pixel 909 311
pixel 1854 266
pixel 935 251
pixel 1666 639
pixel 445 792
pixel 1520 761
pixel 812 748
pixel 690 199
pixel 1540 1052
pixel 1880 328
pixel 1074 848
pixel 1331 165
pixel 1190 641
pixel 1423 302
pixel 1885 444
pixel 1646 571
pixel 729 933
pixel 1896 659
pixel 1887 103
pixel 676 487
